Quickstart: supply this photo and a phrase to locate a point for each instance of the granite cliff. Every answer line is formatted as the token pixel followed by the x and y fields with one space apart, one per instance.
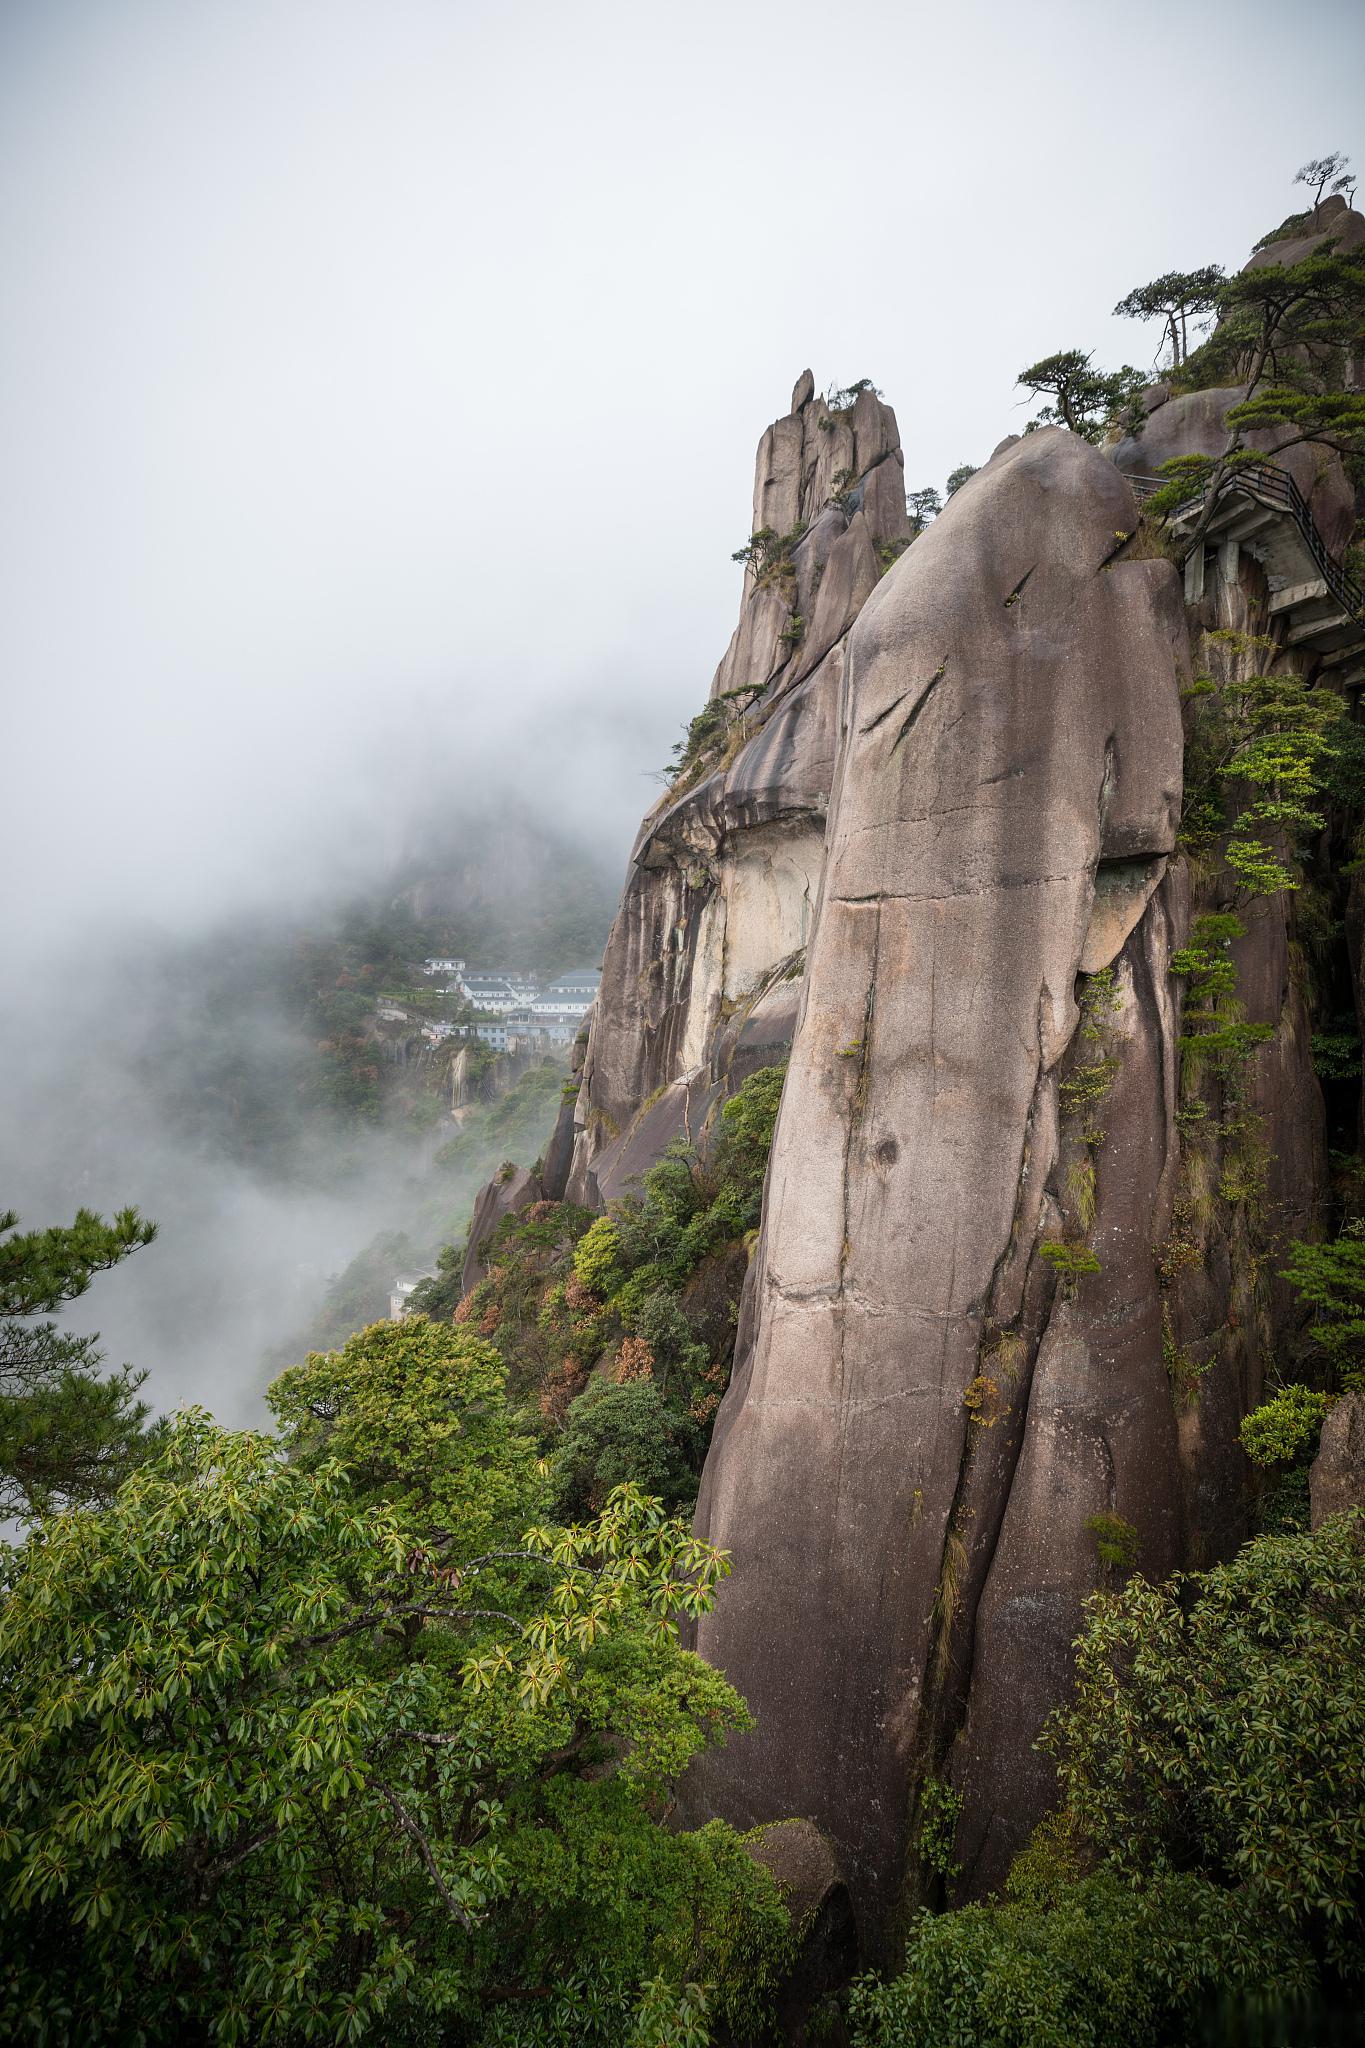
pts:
pixel 1015 1285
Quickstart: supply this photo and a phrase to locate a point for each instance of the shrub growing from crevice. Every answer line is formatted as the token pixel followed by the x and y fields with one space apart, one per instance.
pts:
pixel 1209 1853
pixel 630 1316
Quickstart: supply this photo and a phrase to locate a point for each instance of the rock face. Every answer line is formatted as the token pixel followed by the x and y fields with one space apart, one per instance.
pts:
pixel 700 980
pixel 1015 1286
pixel 513 1190
pixel 1194 424
pixel 1337 1478
pixel 1334 219
pixel 825 1948
pixel 921 1423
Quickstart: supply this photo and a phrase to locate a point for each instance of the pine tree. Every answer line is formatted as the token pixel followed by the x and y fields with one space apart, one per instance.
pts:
pixel 68 1433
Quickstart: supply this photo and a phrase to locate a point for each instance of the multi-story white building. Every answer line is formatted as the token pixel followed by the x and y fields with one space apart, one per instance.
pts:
pixel 489 993
pixel 443 967
pixel 571 995
pixel 520 978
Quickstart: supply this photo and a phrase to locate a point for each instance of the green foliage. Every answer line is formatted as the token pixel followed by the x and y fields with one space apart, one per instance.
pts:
pixel 1211 1845
pixel 1337 1055
pixel 1102 1967
pixel 940 1810
pixel 1332 419
pixel 1086 1086
pixel 68 1433
pixel 923 505
pixel 286 1758
pixel 843 398
pixel 769 554
pixel 1285 1427
pixel 1187 477
pixel 648 1249
pixel 587 1311
pixel 958 477
pixel 1070 1262
pixel 1206 958
pixel 1216 1035
pixel 1284 331
pixel 1182 1369
pixel 597 1257
pixel 1116 1541
pixel 1218 1727
pixel 1080 397
pixel 1176 298
pixel 41 1270
pixel 1281 736
pixel 709 730
pixel 617 1433
pixel 1227 1046
pixel 1292 225
pixel 1258 767
pixel 1266 745
pixel 1330 1279
pixel 1285 1505
pixel 1098 999
pixel 416 1413
pixel 747 1123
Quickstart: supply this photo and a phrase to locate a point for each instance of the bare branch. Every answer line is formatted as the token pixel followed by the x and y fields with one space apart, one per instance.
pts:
pixel 451 1903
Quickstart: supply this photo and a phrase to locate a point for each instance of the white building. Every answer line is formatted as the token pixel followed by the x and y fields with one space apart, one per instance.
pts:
pixel 398 1296
pixel 489 993
pixel 519 978
pixel 572 995
pixel 561 1027
pixel 443 967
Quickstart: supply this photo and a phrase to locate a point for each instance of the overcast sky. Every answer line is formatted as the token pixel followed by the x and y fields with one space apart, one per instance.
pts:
pixel 379 383
pixel 379 386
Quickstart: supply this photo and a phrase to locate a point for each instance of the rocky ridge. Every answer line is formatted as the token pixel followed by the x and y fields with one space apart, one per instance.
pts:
pixel 702 969
pixel 1014 1288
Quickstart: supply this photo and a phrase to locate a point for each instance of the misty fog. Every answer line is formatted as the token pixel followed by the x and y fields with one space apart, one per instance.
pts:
pixel 378 419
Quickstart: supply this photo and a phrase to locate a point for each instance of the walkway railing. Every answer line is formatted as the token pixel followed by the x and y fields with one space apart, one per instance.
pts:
pixel 1267 485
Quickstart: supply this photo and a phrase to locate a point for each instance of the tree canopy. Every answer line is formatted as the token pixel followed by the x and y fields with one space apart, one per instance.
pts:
pixel 68 1432
pixel 309 1738
pixel 1079 396
pixel 1210 1844
pixel 1175 298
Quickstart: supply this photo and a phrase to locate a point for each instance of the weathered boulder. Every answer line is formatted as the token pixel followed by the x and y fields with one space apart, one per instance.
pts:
pixel 511 1190
pixel 1195 424
pixel 1333 219
pixel 1336 1480
pixel 825 1938
pixel 918 1411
